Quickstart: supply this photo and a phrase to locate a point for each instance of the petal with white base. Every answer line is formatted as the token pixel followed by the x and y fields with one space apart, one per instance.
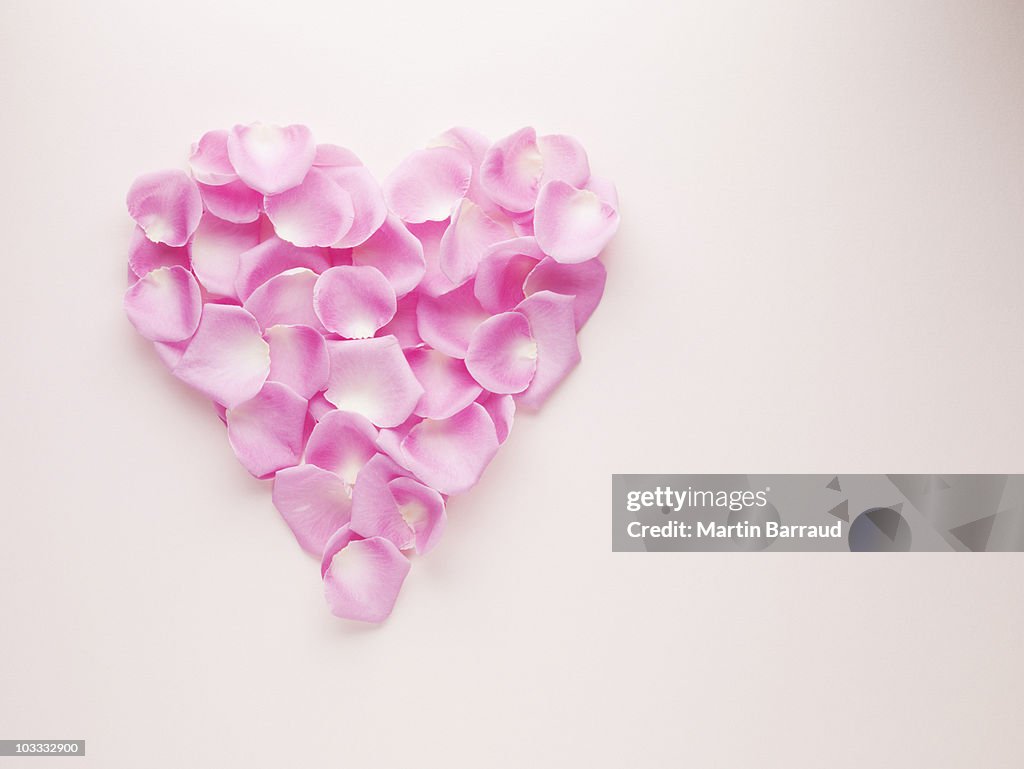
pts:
pixel 354 302
pixel 362 579
pixel 227 359
pixel 502 354
pixel 372 377
pixel 428 184
pixel 209 159
pixel 166 205
pixel 572 225
pixel 270 158
pixel 316 212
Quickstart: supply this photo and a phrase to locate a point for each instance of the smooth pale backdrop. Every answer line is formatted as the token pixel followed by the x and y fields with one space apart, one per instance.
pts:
pixel 820 269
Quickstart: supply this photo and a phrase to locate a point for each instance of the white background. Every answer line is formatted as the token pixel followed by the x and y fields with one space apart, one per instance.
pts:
pixel 820 269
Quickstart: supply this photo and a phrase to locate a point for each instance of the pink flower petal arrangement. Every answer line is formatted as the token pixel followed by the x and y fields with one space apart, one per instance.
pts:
pixel 367 345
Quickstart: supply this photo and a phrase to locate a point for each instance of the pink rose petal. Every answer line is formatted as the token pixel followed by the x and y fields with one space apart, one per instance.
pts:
pixel 298 358
pixel 170 352
pixel 165 305
pixel 319 407
pixel 335 544
pixel 502 355
pixel 403 325
pixel 328 155
pixel 572 225
pixel 451 454
pixel 227 359
pixel 166 205
pixel 502 273
pixel 375 512
pixel 232 202
pixel 285 300
pixel 389 440
pixel 511 170
pixel 362 579
pixel 473 145
pixel 447 322
pixel 369 208
pixel 209 159
pixel 316 212
pixel 584 281
pixel 354 301
pixel 216 249
pixel 386 503
pixel 429 234
pixel 342 442
pixel 314 503
pixel 422 509
pixel 502 411
pixel 604 189
pixel 468 141
pixel 396 252
pixel 272 257
pixel 266 431
pixel 553 327
pixel 428 184
pixel 468 237
pixel 372 377
pixel 308 424
pixel 269 158
pixel 145 255
pixel 447 384
pixel 523 229
pixel 564 159
pixel 521 217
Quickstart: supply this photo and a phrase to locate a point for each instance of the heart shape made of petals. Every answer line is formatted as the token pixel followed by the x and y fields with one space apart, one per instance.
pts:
pixel 367 344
